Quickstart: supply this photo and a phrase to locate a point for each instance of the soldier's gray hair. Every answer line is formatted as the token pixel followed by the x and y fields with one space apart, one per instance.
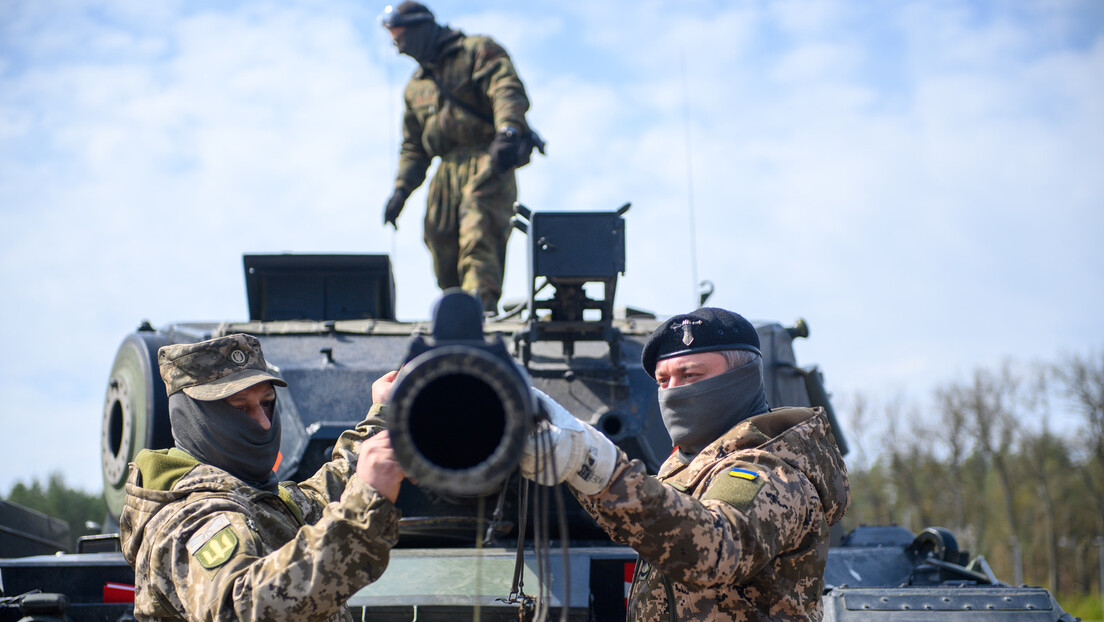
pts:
pixel 738 358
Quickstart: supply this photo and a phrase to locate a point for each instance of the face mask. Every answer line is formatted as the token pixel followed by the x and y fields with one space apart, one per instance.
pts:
pixel 420 42
pixel 699 413
pixel 223 436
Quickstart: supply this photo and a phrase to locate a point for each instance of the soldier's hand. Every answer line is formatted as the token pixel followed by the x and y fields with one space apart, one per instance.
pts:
pixel 504 150
pixel 381 388
pixel 393 208
pixel 378 466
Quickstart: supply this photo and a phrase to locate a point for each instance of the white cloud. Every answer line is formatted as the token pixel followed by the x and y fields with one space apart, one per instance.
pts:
pixel 919 181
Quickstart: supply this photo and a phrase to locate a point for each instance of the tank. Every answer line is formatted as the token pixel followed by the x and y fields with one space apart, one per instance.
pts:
pixel 475 540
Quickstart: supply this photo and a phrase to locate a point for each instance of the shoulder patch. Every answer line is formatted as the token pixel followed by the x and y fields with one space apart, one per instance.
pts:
pixel 213 545
pixel 749 475
pixel 218 550
pixel 201 537
pixel 736 486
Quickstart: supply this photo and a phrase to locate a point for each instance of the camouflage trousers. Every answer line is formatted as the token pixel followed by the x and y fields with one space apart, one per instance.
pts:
pixel 467 223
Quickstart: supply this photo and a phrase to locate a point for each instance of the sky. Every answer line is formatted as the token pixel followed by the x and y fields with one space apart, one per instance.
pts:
pixel 920 180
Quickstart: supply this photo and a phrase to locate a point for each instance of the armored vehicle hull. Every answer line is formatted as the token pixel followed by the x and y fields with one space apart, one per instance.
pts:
pixel 326 324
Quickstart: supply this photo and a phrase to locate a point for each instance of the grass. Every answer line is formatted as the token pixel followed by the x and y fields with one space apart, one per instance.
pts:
pixel 1088 607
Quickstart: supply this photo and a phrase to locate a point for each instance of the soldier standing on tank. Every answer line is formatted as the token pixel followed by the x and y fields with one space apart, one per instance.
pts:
pixel 735 525
pixel 466 105
pixel 210 532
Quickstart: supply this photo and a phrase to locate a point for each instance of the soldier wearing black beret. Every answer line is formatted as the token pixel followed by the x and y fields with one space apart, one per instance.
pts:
pixel 705 330
pixel 735 524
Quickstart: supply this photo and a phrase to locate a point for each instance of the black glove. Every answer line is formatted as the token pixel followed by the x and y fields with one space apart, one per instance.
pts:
pixel 393 208
pixel 504 150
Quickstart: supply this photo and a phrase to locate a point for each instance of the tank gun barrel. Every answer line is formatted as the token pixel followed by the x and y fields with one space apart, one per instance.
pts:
pixel 460 409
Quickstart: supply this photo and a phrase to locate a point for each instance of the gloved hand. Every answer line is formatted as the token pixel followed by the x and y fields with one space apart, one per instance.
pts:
pixel 393 208
pixel 569 450
pixel 504 150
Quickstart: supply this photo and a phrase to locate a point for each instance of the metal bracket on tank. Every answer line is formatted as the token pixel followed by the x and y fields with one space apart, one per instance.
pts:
pixel 570 250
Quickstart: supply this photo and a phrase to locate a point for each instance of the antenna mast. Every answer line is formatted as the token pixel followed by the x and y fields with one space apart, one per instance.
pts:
pixel 690 186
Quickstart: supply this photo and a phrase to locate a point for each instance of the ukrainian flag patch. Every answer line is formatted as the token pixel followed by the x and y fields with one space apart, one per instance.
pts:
pixel 743 474
pixel 735 486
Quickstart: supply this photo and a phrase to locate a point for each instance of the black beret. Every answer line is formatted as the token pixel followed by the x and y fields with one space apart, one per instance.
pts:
pixel 708 329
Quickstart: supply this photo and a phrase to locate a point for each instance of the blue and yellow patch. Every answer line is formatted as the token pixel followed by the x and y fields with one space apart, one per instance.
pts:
pixel 743 474
pixel 738 487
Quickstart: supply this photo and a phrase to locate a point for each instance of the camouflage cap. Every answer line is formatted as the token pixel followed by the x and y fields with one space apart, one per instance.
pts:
pixel 214 369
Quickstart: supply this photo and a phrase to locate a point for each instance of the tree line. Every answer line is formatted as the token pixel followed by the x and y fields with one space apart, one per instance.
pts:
pixel 83 511
pixel 988 460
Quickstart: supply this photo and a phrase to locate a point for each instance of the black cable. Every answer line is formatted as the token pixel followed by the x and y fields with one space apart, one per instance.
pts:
pixel 496 516
pixel 16 599
pixel 540 527
pixel 561 515
pixel 545 462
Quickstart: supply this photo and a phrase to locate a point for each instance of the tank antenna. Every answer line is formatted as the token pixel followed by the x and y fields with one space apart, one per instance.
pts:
pixel 689 184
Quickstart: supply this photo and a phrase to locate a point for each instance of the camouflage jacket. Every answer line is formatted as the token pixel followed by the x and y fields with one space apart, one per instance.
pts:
pixel 738 534
pixel 477 71
pixel 207 546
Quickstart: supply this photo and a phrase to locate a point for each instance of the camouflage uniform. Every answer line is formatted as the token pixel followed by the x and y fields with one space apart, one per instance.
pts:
pixel 738 534
pixel 468 211
pixel 207 546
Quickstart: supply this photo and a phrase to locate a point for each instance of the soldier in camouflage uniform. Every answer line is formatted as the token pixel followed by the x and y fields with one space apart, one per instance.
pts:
pixel 459 79
pixel 210 532
pixel 735 525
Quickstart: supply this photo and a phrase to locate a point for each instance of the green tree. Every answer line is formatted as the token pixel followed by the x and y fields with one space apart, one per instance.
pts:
pixel 56 499
pixel 986 461
pixel 1082 383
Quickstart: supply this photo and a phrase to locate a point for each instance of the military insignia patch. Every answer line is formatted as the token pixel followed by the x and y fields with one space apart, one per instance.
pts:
pixel 213 545
pixel 218 549
pixel 737 487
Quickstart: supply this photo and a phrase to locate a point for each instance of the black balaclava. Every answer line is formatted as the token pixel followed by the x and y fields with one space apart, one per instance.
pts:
pixel 216 433
pixel 421 42
pixel 699 413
